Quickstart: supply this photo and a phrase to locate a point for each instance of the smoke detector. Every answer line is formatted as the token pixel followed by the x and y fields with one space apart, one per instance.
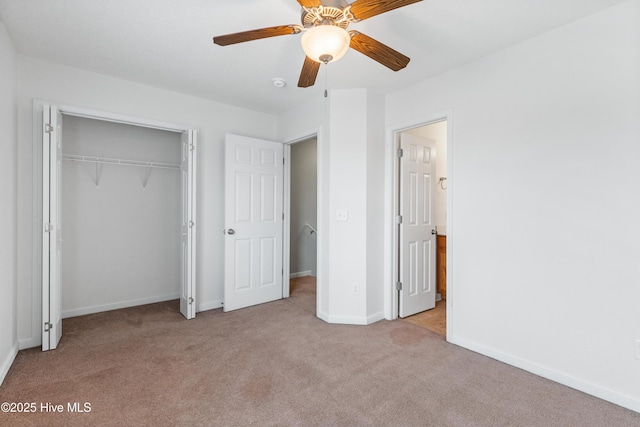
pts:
pixel 278 82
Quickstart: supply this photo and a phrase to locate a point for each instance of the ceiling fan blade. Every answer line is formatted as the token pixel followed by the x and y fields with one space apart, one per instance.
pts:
pixel 309 3
pixel 309 72
pixel 262 33
pixel 378 52
pixel 363 9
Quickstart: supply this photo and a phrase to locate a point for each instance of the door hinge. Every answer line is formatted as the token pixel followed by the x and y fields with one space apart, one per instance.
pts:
pixel 191 224
pixel 399 219
pixel 48 227
pixel 283 160
pixel 192 147
pixel 47 326
pixel 398 286
pixel 191 300
pixel 48 128
pixel 400 152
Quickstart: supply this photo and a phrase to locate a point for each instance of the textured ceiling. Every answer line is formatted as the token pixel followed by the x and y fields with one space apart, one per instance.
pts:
pixel 168 43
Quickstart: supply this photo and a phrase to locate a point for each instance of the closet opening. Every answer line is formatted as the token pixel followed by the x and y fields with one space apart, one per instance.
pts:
pixel 120 215
pixel 118 207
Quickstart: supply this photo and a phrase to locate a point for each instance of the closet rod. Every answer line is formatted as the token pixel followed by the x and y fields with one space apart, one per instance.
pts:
pixel 121 162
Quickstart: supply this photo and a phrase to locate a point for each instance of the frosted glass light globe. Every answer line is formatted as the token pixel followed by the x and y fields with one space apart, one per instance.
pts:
pixel 325 43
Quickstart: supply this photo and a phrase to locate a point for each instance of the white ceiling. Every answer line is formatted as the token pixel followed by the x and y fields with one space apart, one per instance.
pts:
pixel 168 43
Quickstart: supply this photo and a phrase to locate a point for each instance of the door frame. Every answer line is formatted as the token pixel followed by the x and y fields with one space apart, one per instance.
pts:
pixel 392 190
pixel 89 113
pixel 321 218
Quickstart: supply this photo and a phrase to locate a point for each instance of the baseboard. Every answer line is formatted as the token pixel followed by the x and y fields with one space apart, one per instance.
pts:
pixel 118 305
pixel 347 320
pixel 29 343
pixel 300 274
pixel 375 317
pixel 7 362
pixel 209 306
pixel 551 374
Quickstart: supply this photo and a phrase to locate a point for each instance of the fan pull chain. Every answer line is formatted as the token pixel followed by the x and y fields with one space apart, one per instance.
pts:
pixel 326 71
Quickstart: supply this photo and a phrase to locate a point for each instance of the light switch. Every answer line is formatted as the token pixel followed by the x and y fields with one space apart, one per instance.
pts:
pixel 342 215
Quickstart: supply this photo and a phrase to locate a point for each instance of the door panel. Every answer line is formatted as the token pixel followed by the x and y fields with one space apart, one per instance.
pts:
pixel 188 225
pixel 417 242
pixel 52 232
pixel 254 221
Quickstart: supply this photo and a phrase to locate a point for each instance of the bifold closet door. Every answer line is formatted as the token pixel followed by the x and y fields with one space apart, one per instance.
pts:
pixel 51 227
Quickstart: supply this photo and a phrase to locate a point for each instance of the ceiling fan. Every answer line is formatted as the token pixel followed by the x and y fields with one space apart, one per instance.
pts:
pixel 325 37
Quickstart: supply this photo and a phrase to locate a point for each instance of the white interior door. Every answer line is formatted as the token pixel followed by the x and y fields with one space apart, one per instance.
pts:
pixel 417 228
pixel 188 225
pixel 51 231
pixel 253 221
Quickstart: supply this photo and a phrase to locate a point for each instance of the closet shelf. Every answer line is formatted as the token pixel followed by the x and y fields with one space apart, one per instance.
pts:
pixel 121 162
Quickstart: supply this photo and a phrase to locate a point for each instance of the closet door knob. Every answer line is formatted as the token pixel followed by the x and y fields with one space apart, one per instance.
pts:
pixel 231 231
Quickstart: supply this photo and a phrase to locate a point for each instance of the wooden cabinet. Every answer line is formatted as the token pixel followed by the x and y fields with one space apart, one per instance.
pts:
pixel 441 265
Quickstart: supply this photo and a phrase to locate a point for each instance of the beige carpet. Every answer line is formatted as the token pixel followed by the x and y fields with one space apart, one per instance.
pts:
pixel 278 365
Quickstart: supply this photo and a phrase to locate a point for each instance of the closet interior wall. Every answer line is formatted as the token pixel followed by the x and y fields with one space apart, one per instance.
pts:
pixel 120 223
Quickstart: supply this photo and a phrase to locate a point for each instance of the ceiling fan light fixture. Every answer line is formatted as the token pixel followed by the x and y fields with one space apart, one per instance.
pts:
pixel 325 43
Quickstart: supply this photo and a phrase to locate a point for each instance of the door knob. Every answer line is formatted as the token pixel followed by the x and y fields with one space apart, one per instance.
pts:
pixel 231 231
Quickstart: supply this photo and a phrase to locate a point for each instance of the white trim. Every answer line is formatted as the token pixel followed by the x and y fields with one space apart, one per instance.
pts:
pixel 29 343
pixel 107 116
pixel 286 226
pixel 7 362
pixel 300 274
pixel 353 320
pixel 391 202
pixel 550 374
pixel 72 110
pixel 209 305
pixel 118 305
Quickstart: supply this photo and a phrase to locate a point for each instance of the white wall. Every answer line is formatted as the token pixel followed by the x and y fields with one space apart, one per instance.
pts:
pixel 8 219
pixel 121 240
pixel 544 242
pixel 304 206
pixel 374 150
pixel 59 84
pixel 351 178
pixel 438 133
pixel 356 139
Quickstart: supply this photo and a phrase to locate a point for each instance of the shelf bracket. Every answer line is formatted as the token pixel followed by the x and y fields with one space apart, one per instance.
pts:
pixel 145 178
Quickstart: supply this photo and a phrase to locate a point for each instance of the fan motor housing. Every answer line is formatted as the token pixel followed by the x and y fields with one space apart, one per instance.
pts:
pixel 323 15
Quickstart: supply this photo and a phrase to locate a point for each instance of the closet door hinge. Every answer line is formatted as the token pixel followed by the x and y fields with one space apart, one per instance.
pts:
pixel 48 128
pixel 398 286
pixel 191 224
pixel 399 219
pixel 192 147
pixel 191 300
pixel 47 326
pixel 400 152
pixel 48 227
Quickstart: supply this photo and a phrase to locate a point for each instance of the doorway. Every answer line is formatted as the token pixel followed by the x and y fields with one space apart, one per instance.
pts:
pixel 303 216
pixel 421 209
pixel 303 209
pixel 104 136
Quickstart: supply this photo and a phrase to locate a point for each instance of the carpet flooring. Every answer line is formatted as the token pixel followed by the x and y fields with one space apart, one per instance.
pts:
pixel 276 364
